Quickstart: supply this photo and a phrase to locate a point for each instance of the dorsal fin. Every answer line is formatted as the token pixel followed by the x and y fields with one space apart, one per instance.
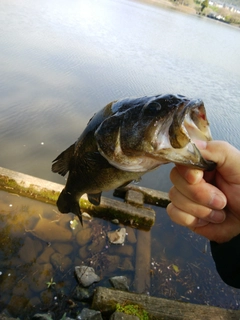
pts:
pixel 61 163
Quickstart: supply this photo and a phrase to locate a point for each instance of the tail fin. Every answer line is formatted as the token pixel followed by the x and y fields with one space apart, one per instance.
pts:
pixel 62 162
pixel 66 203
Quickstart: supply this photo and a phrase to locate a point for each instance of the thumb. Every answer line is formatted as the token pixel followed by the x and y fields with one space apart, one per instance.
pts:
pixel 224 155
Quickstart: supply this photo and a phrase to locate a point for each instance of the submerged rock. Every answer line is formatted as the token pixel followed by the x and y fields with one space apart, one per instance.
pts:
pixel 82 294
pixel 86 275
pixel 50 231
pixel 122 316
pixel 120 283
pixel 42 316
pixel 117 236
pixel 87 314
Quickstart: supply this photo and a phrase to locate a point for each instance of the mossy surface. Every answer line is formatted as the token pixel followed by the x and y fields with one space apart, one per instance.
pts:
pixel 133 309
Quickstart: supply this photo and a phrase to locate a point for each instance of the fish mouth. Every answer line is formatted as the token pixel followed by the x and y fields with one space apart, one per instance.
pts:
pixel 189 124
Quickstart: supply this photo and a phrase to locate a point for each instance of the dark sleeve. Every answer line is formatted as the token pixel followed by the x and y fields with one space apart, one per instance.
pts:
pixel 227 260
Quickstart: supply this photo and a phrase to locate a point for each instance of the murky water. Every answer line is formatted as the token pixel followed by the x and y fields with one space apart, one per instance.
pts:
pixel 60 62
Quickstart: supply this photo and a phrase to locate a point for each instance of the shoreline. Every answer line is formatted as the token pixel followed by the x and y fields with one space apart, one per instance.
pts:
pixel 179 7
pixel 170 5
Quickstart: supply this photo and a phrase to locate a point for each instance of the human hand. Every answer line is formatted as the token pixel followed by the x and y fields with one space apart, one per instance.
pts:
pixel 208 203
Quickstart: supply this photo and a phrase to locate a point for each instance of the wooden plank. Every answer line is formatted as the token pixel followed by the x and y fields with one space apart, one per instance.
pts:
pixel 46 191
pixel 105 300
pixel 143 260
pixel 154 197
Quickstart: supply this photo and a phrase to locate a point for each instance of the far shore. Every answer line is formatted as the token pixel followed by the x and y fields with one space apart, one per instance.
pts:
pixel 169 4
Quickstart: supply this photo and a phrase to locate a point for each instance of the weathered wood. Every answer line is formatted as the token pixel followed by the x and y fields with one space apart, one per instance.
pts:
pixel 143 260
pixel 105 300
pixel 155 197
pixel 47 191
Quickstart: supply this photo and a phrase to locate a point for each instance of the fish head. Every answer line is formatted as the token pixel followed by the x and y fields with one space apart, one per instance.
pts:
pixel 142 134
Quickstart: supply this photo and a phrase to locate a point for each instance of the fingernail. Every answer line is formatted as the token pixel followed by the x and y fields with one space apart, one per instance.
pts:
pixel 202 223
pixel 217 216
pixel 201 144
pixel 218 201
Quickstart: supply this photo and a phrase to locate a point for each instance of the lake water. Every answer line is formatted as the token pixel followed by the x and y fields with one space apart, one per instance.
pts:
pixel 61 61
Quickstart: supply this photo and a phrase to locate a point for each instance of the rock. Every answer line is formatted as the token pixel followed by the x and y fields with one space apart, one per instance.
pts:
pixel 126 250
pixel 46 297
pixel 112 263
pixel 131 237
pixel 97 245
pixel 63 248
pixel 123 316
pixel 82 294
pixel 42 316
pixel 127 265
pixel 87 314
pixel 22 288
pixel 16 305
pixel 45 255
pixel 60 261
pixel 120 283
pixel 84 236
pixel 83 252
pixel 50 231
pixel 29 251
pixel 115 221
pixel 86 275
pixel 39 275
pixel 117 236
pixel 4 315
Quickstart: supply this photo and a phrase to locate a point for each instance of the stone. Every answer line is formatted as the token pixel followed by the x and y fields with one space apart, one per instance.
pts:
pixel 126 250
pixel 83 252
pixel 21 288
pixel 60 261
pixel 120 283
pixel 50 231
pixel 63 248
pixel 29 251
pixel 88 314
pixel 131 236
pixel 123 316
pixel 4 315
pixel 82 294
pixel 42 316
pixel 16 305
pixel 45 255
pixel 39 275
pixel 84 236
pixel 97 245
pixel 127 265
pixel 113 262
pixel 86 275
pixel 117 236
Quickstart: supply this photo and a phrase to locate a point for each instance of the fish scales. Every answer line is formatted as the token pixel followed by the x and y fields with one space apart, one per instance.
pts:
pixel 128 138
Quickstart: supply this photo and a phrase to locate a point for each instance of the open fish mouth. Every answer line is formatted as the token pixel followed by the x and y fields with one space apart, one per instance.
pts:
pixel 189 124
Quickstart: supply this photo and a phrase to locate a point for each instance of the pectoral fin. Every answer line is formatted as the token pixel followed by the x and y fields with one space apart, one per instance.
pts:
pixel 94 198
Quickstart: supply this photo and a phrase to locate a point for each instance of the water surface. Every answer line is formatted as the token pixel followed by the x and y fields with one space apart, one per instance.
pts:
pixel 61 61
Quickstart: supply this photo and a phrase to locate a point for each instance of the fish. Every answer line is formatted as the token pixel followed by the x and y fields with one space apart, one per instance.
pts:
pixel 128 138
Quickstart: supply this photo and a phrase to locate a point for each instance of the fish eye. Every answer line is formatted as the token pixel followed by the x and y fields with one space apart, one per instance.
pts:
pixel 152 109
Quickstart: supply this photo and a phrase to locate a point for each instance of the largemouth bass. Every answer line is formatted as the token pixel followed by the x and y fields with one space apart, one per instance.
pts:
pixel 127 139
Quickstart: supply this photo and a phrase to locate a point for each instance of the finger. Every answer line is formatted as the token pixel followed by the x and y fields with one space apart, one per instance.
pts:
pixel 202 193
pixel 184 219
pixel 193 208
pixel 192 176
pixel 225 155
